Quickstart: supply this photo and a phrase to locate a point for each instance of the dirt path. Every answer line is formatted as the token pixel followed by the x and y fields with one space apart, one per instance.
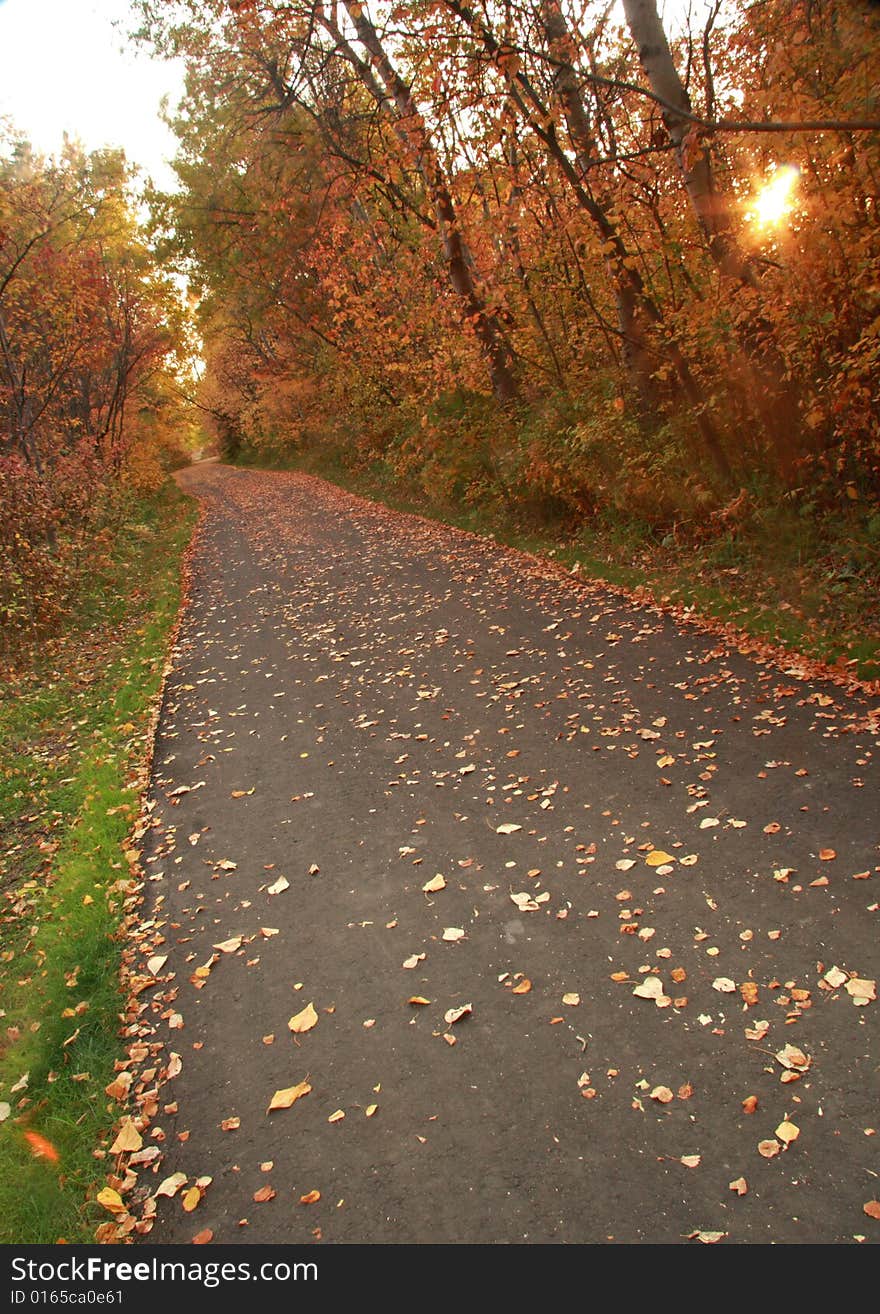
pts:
pixel 362 702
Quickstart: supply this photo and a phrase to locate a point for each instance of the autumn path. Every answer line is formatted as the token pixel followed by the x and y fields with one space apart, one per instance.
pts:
pixel 359 701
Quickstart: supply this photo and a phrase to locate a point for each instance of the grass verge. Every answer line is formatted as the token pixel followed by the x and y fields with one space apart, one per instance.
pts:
pixel 76 726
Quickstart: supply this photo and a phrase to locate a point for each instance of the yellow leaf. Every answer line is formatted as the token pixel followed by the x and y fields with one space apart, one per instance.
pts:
pixel 111 1200
pixel 128 1140
pixel 418 999
pixel 788 1132
pixel 436 883
pixel 283 1099
pixel 370 1110
pixel 523 987
pixel 191 1199
pixel 657 857
pixel 337 1116
pixel 304 1020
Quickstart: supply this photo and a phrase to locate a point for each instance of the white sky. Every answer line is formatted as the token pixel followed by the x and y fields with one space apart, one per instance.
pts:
pixel 65 68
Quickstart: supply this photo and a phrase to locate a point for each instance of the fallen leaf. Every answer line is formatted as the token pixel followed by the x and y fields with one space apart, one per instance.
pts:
pixel 690 1160
pixel 835 977
pixel 229 946
pixel 416 999
pixel 707 1238
pixel 826 855
pixel 657 858
pixel 787 1132
pixel 128 1140
pixel 279 886
pixel 662 1094
pixel 111 1200
pixel 230 1124
pixel 304 1020
pixel 283 1099
pixel 370 1110
pixel 453 934
pixel 203 1238
pixel 507 828
pixel 413 960
pixel 768 1149
pixel 311 1197
pixel 724 984
pixel 455 1014
pixel 171 1185
pixel 652 988
pixel 872 1208
pixel 571 1000
pixel 740 1185
pixel 522 987
pixel 792 1057
pixel 337 1116
pixel 861 990
pixel 435 884
pixel 191 1199
pixel 750 1104
pixel 264 1193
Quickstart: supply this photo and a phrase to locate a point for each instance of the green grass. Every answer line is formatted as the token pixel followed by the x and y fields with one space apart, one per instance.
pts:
pixel 786 574
pixel 76 731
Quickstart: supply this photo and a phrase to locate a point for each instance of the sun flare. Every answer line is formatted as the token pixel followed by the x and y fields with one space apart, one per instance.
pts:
pixel 775 201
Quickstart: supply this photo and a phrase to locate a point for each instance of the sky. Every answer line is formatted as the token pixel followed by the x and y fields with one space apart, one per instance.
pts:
pixel 64 67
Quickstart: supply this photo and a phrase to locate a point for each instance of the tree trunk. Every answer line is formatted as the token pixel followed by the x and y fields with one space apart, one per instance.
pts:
pixel 414 134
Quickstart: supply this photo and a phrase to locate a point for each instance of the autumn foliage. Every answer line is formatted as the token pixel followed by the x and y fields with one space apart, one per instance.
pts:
pixel 89 333
pixel 526 251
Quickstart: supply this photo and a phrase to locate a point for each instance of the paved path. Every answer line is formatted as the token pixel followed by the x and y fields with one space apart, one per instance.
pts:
pixel 362 702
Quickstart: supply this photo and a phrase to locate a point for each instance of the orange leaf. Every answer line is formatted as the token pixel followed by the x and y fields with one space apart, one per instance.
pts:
pixel 872 1208
pixel 263 1194
pixel 311 1198
pixel 43 1149
pixel 523 987
pixel 202 1238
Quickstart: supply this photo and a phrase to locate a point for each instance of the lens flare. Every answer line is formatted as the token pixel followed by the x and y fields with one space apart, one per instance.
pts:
pixel 775 201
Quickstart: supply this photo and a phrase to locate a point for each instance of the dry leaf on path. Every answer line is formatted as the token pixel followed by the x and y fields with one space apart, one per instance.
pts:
pixel 171 1185
pixel 304 1020
pixel 283 1099
pixel 128 1140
